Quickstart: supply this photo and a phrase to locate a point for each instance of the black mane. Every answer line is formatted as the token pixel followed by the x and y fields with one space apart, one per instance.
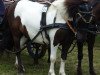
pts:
pixel 72 6
pixel 96 9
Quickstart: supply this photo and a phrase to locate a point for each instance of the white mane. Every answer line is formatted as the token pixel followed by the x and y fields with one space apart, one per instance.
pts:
pixel 58 9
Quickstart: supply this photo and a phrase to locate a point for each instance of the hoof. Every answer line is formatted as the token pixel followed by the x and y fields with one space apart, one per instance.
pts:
pixel 21 74
pixel 62 73
pixel 21 70
pixel 79 71
pixel 92 73
pixel 36 62
pixel 51 73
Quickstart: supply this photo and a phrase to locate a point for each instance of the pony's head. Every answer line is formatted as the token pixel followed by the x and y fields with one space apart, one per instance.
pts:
pixel 83 18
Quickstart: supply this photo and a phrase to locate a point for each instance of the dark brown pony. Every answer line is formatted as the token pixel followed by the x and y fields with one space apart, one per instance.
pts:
pixel 6 39
pixel 96 12
pixel 85 30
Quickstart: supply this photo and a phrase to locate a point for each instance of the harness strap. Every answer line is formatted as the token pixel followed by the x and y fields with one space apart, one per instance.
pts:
pixel 14 52
pixel 71 48
pixel 86 30
pixel 74 44
pixel 36 35
pixel 43 23
pixel 57 25
pixel 70 26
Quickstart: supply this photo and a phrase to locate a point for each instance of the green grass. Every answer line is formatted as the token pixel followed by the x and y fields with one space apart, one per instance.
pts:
pixel 7 64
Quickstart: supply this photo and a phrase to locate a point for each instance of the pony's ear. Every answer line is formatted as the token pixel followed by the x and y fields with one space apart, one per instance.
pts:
pixel 72 2
pixel 96 12
pixel 72 6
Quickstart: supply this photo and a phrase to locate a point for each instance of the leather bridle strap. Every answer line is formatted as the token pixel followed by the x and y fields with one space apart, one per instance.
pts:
pixel 70 26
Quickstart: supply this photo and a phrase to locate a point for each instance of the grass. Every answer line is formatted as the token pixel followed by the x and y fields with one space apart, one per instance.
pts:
pixel 7 63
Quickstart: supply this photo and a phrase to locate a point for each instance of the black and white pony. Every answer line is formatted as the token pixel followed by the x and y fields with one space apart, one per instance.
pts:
pixel 23 20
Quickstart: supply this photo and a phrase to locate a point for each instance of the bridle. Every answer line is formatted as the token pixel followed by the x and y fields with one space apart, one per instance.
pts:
pixel 85 14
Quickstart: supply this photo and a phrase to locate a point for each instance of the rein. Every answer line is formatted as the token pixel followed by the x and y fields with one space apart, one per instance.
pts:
pixel 70 26
pixel 74 44
pixel 13 52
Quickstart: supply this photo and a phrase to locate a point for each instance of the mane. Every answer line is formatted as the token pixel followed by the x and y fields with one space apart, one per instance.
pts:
pixel 72 6
pixel 96 9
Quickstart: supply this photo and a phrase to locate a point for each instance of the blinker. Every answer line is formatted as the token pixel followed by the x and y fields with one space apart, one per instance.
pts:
pixel 85 7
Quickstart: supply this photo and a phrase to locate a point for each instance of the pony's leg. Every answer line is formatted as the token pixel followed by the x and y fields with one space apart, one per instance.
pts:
pixel 49 48
pixel 80 57
pixel 81 37
pixel 90 41
pixel 65 47
pixel 52 58
pixel 18 63
pixel 62 67
pixel 63 58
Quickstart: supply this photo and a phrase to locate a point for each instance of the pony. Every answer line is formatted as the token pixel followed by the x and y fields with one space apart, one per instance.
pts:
pixel 86 26
pixel 5 43
pixel 24 27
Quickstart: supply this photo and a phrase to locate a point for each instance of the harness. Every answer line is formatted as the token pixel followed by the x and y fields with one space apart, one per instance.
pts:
pixel 45 27
pixel 82 17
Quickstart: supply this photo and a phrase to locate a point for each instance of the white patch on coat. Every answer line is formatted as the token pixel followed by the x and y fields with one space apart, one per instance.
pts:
pixel 30 14
pixel 57 9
